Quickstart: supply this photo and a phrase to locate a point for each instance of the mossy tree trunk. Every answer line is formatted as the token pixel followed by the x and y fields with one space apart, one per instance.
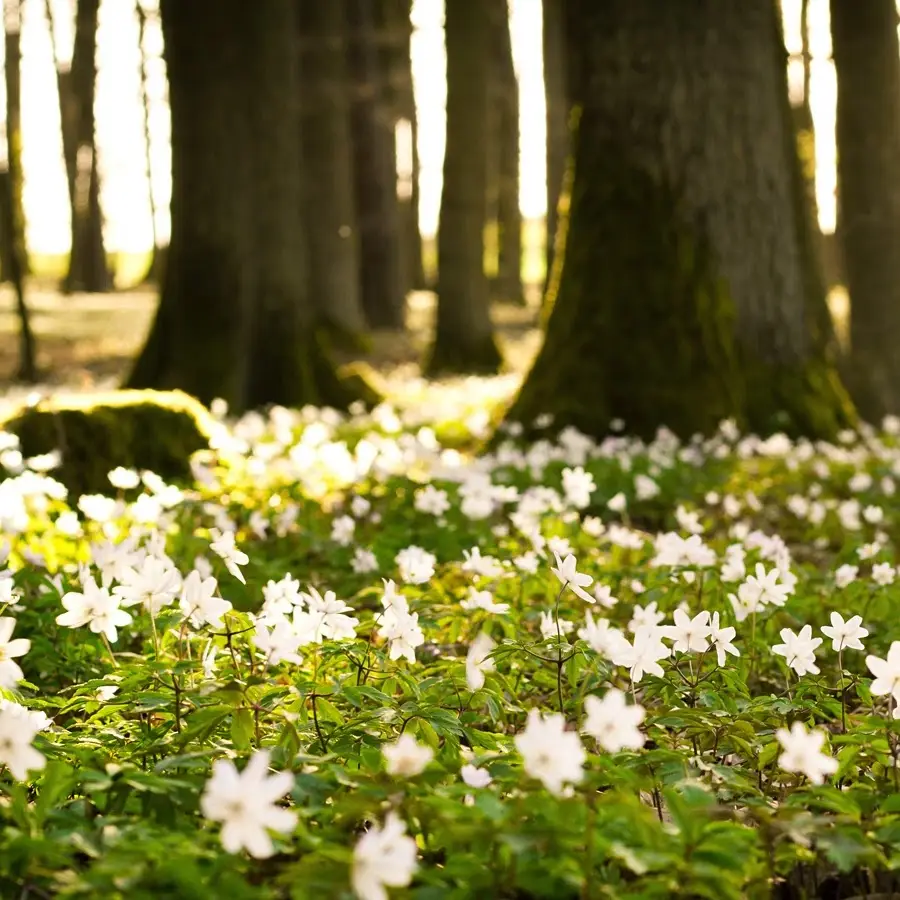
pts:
pixel 688 293
pixel 867 59
pixel 464 337
pixel 333 239
pixel 88 267
pixel 505 108
pixel 557 105
pixel 382 281
pixel 235 314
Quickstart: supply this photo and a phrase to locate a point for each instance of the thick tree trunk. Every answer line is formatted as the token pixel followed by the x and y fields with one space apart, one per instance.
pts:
pixel 868 142
pixel 375 177
pixel 557 104
pixel 12 224
pixel 505 107
pixel 235 315
pixel 464 336
pixel 688 293
pixel 333 239
pixel 88 268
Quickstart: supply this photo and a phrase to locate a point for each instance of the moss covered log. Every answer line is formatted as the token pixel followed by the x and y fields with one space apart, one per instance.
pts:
pixel 688 292
pixel 155 430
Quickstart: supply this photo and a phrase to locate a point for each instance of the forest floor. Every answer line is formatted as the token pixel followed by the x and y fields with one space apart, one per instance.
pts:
pixel 87 342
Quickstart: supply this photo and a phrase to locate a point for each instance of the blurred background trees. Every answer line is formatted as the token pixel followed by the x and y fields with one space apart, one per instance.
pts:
pixel 684 247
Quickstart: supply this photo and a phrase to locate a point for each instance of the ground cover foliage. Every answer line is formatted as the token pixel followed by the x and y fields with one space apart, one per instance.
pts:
pixel 350 657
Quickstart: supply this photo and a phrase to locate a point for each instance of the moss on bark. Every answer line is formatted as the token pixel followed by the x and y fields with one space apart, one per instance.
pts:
pixel 152 430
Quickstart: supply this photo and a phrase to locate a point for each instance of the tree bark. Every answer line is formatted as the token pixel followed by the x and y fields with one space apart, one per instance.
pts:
pixel 12 225
pixel 688 291
pixel 88 268
pixel 505 109
pixel 375 177
pixel 558 106
pixel 333 239
pixel 464 337
pixel 395 27
pixel 867 59
pixel 235 315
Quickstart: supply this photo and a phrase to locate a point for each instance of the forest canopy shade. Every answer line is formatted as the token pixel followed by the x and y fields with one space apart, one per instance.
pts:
pixel 689 292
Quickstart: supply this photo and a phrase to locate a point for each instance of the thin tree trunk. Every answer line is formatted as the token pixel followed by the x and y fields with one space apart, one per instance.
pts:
pixel 375 177
pixel 508 286
pixel 688 291
pixel 867 59
pixel 88 268
pixel 13 223
pixel 464 336
pixel 157 256
pixel 333 239
pixel 557 105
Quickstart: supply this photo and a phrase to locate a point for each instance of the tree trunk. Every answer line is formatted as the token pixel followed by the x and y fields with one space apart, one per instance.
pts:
pixel 333 240
pixel 395 27
pixel 157 254
pixel 867 59
pixel 688 293
pixel 464 337
pixel 13 216
pixel 235 316
pixel 88 269
pixel 375 176
pixel 505 108
pixel 557 104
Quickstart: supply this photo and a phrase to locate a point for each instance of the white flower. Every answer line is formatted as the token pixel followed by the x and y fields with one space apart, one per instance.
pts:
pixel 486 566
pixel 601 636
pixel 645 617
pixel 722 639
pixel 690 635
pixel 96 608
pixel 883 574
pixel 578 486
pixel 364 561
pixel 886 672
pixel 478 661
pixel 415 564
pixel 342 529
pixel 528 562
pixel 18 726
pixel 552 628
pixel 403 634
pixel 569 576
pixel 406 757
pixel 198 602
pixel 642 654
pixel 617 503
pixel 124 479
pixel 845 574
pixel 603 595
pixel 431 500
pixel 803 753
pixel 549 753
pixel 383 856
pixel 763 588
pixel 612 722
pixel 325 618
pixel 845 635
pixel 223 546
pixel 245 804
pixel 483 600
pixel 475 777
pixel 10 673
pixel 799 650
pixel 154 583
pixel 279 643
